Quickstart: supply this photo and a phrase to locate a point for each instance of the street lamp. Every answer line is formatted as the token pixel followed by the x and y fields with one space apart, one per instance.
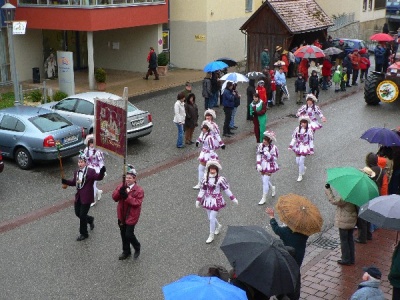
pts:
pixel 9 15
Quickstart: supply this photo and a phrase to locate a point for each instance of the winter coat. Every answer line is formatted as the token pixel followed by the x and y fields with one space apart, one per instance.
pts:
pixel 179 112
pixel 299 85
pixel 326 68
pixel 262 93
pixel 265 59
pixel 192 115
pixel 228 98
pixel 379 55
pixel 303 68
pixel 293 239
pixel 346 212
pixel 313 82
pixel 348 64
pixel 394 274
pixel 206 91
pixel 355 60
pixel 368 290
pixel 380 174
pixel 337 76
pixel 128 210
pixel 364 63
pixel 285 67
pixel 313 67
pixel 152 60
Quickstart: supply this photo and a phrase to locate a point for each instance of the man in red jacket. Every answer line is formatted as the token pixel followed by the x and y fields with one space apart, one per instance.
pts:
pixel 129 197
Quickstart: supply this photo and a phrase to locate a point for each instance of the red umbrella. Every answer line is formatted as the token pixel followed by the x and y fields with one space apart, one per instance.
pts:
pixel 381 37
pixel 309 51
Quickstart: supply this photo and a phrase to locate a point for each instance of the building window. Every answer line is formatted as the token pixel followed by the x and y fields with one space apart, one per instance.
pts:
pixel 380 4
pixel 370 5
pixel 249 5
pixel 364 5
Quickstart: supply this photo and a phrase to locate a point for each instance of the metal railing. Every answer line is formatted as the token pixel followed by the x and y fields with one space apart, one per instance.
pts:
pixel 342 21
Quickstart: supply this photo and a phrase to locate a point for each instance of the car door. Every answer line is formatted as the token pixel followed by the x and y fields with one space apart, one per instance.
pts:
pixel 84 114
pixel 11 130
pixel 66 108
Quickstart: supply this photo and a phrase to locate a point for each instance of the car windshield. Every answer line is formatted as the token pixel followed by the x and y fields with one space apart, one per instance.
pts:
pixel 49 122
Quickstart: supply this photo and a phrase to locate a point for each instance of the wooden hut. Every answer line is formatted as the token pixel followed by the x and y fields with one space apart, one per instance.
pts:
pixel 286 23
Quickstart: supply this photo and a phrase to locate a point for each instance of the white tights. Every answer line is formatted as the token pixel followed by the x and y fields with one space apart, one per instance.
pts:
pixel 212 216
pixel 201 172
pixel 300 162
pixel 266 183
pixel 95 189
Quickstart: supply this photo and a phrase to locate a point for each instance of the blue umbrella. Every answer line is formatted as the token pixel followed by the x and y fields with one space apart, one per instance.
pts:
pixel 383 136
pixel 202 288
pixel 215 66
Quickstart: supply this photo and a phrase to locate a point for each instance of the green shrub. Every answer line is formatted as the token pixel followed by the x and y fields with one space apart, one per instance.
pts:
pixel 59 96
pixel 162 59
pixel 7 100
pixel 35 96
pixel 100 75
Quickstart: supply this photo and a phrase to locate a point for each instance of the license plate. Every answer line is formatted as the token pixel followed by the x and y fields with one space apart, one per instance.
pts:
pixel 70 139
pixel 137 123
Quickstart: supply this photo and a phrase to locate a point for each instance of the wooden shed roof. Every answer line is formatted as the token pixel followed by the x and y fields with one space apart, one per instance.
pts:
pixel 296 15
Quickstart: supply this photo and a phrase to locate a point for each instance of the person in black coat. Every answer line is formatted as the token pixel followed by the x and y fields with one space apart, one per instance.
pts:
pixel 251 90
pixel 313 82
pixel 152 60
pixel 349 68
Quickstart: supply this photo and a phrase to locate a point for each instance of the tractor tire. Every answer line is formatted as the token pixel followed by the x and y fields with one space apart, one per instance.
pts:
pixel 372 82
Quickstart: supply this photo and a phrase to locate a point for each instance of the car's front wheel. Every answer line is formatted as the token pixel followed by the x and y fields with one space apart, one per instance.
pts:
pixel 23 159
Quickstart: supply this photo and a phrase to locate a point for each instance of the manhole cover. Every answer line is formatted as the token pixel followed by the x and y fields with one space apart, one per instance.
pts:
pixel 325 243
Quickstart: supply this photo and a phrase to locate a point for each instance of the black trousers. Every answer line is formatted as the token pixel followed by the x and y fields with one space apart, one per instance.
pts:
pixel 228 116
pixel 364 230
pixel 81 211
pixel 355 76
pixel 151 71
pixel 347 245
pixel 128 238
pixel 396 293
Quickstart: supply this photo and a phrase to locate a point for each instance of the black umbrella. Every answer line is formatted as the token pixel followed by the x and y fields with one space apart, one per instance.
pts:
pixel 260 260
pixel 229 61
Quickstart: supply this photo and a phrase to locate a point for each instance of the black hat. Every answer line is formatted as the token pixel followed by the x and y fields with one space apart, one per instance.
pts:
pixel 373 272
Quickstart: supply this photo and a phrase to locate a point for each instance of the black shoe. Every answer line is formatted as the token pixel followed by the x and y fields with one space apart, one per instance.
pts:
pixel 232 128
pixel 231 133
pixel 340 262
pixel 281 103
pixel 92 225
pixel 183 146
pixel 145 78
pixel 348 85
pixel 359 241
pixel 369 238
pixel 82 237
pixel 226 135
pixel 136 254
pixel 124 256
pixel 235 127
pixel 355 83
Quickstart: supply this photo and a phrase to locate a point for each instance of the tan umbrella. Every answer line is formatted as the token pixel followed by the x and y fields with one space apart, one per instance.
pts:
pixel 299 214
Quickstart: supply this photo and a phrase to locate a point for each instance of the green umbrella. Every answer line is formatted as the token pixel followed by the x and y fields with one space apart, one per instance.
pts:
pixel 353 185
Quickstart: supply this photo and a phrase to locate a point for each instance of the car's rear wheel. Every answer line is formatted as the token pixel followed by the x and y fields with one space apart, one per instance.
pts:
pixel 23 158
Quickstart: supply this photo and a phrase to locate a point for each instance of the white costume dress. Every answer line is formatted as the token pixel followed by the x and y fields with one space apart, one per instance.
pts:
pixel 302 141
pixel 267 157
pixel 312 112
pixel 95 160
pixel 210 194
pixel 210 144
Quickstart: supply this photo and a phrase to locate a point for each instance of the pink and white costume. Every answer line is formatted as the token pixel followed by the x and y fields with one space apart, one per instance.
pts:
pixel 266 157
pixel 302 142
pixel 94 160
pixel 312 112
pixel 217 134
pixel 210 194
pixel 210 144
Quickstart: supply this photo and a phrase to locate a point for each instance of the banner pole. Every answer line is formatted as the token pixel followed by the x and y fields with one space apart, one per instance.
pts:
pixel 125 97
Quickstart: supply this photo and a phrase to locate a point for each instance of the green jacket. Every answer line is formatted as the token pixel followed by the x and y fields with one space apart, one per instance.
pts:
pixel 394 274
pixel 265 60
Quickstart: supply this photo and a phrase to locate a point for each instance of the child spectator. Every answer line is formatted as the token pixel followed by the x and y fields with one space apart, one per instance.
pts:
pixel 364 64
pixel 300 88
pixel 261 91
pixel 337 76
pixel 343 80
pixel 313 82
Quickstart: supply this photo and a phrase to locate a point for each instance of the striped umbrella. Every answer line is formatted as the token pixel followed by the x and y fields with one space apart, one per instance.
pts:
pixel 309 51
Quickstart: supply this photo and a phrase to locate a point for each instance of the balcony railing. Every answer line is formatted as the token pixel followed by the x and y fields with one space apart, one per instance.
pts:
pixel 87 3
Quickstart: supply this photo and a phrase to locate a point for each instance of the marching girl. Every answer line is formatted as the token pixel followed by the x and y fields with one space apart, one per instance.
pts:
pixel 302 143
pixel 267 155
pixel 95 160
pixel 210 116
pixel 312 111
pixel 210 196
pixel 210 143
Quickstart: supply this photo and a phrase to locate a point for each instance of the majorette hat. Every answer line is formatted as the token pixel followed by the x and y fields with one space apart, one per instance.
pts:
pixel 311 97
pixel 88 138
pixel 214 162
pixel 306 118
pixel 208 124
pixel 270 134
pixel 210 112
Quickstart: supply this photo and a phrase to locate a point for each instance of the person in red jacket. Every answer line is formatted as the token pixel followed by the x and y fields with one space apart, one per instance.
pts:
pixel 129 197
pixel 261 91
pixel 273 87
pixel 326 72
pixel 285 59
pixel 303 68
pixel 364 64
pixel 355 61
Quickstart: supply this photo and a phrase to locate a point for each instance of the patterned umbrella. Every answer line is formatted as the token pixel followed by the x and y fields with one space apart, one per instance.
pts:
pixel 381 37
pixel 332 51
pixel 309 51
pixel 255 75
pixel 299 214
pixel 234 77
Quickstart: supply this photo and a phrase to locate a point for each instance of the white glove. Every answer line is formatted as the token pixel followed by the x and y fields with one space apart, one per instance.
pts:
pixel 259 168
pixel 235 201
pixel 197 204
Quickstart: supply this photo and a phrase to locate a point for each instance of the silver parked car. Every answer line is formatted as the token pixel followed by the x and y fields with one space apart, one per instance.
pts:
pixel 79 109
pixel 29 134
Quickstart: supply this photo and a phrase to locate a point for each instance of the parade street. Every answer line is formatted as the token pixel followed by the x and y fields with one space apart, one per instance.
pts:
pixel 41 258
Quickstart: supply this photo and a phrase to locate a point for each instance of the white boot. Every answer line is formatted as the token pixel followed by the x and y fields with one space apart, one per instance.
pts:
pixel 94 203
pixel 263 199
pixel 273 191
pixel 210 238
pixel 98 194
pixel 218 229
pixel 197 186
pixel 304 172
pixel 300 178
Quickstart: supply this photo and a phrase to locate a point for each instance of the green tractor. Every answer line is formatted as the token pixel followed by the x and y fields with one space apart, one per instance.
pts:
pixel 383 87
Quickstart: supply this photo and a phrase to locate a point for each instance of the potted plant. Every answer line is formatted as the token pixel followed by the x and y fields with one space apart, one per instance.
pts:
pixel 162 61
pixel 100 76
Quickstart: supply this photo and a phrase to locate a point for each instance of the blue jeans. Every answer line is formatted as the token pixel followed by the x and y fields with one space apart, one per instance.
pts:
pixel 179 141
pixel 214 99
pixel 232 122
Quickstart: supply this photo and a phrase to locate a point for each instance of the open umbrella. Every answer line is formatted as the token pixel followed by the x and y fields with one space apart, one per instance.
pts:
pixel 381 37
pixel 279 63
pixel 229 61
pixel 214 270
pixel 309 51
pixel 353 185
pixel 383 136
pixel 215 66
pixel 260 260
pixel 383 211
pixel 299 214
pixel 234 77
pixel 332 51
pixel 202 288
pixel 255 75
